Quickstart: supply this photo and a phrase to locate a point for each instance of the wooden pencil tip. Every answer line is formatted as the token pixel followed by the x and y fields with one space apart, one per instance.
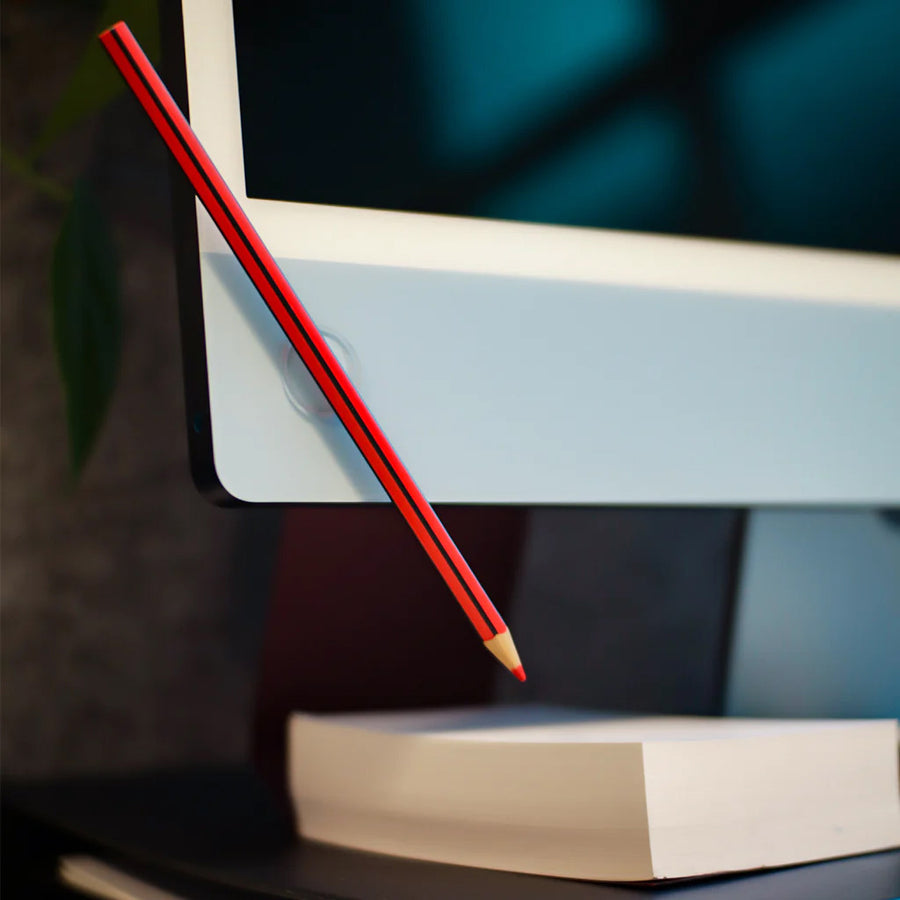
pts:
pixel 502 646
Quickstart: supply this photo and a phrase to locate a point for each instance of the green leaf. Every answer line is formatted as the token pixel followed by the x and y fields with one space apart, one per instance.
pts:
pixel 95 80
pixel 86 320
pixel 25 170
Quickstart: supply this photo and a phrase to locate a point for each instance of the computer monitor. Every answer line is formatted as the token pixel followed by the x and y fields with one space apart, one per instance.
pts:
pixel 464 194
pixel 512 353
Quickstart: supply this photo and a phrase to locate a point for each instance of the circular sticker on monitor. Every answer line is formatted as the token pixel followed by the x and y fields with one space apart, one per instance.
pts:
pixel 300 388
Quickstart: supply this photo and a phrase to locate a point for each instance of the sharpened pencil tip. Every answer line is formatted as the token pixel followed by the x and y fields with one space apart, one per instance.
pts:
pixel 502 646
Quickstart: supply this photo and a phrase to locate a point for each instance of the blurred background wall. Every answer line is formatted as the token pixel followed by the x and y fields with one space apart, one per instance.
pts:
pixel 125 638
pixel 131 609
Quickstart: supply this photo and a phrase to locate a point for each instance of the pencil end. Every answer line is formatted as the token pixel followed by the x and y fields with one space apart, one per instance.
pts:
pixel 503 647
pixel 107 32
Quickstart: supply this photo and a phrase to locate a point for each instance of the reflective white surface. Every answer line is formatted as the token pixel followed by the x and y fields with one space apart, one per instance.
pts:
pixel 511 390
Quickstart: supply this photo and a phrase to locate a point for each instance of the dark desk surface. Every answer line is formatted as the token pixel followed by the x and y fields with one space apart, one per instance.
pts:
pixel 221 834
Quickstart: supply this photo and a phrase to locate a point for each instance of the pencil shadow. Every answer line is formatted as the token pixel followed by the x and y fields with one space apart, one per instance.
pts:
pixel 259 319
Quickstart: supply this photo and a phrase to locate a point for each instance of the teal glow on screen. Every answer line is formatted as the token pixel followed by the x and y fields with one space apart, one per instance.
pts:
pixel 768 122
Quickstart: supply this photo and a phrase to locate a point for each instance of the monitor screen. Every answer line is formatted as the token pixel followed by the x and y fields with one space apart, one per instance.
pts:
pixel 602 113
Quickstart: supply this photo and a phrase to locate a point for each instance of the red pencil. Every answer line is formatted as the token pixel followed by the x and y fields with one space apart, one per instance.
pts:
pixel 300 330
